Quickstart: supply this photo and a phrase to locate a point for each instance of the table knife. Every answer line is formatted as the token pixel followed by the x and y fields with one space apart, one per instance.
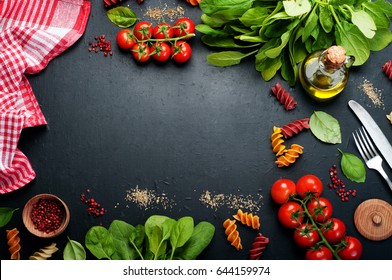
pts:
pixel 374 131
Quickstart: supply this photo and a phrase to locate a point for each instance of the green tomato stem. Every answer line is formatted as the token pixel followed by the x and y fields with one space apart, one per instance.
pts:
pixel 174 39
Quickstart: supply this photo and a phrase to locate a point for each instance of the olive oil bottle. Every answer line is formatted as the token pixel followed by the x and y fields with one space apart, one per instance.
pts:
pixel 324 74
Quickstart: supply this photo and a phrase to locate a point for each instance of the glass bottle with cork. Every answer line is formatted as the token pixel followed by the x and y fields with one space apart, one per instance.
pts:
pixel 324 74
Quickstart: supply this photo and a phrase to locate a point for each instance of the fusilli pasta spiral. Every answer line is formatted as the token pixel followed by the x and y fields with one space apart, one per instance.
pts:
pixel 232 233
pixel 277 142
pixel 258 246
pixel 295 127
pixel 387 68
pixel 284 97
pixel 290 156
pixel 14 243
pixel 247 219
pixel 194 2
pixel 44 253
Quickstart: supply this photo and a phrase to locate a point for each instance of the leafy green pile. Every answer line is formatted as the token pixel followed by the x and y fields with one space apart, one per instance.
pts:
pixel 160 238
pixel 279 34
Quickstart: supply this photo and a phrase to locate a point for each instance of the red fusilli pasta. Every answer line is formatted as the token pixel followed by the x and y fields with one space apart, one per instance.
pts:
pixel 290 156
pixel 14 243
pixel 387 68
pixel 247 219
pixel 232 233
pixel 284 97
pixel 295 127
pixel 258 246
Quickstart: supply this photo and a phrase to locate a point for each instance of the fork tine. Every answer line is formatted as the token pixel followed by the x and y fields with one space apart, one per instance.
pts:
pixel 358 142
pixel 369 143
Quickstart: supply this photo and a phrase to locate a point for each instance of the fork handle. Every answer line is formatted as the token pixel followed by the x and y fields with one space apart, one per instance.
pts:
pixel 385 176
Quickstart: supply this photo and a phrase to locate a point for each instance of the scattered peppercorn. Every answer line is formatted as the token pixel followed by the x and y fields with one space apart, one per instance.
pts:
pixel 339 185
pixel 93 208
pixel 101 45
pixel 47 215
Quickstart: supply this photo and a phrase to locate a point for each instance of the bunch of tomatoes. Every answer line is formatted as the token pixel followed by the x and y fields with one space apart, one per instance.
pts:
pixel 315 229
pixel 159 42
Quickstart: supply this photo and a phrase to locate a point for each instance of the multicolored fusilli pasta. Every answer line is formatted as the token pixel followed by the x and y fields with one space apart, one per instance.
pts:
pixel 277 141
pixel 44 253
pixel 232 233
pixel 258 246
pixel 294 127
pixel 247 219
pixel 290 156
pixel 14 243
pixel 284 97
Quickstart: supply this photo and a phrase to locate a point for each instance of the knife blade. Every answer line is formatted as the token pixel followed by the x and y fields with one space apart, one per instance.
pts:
pixel 374 131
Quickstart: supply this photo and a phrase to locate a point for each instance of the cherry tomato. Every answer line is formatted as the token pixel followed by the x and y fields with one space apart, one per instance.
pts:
pixel 183 26
pixel 305 236
pixel 318 253
pixel 334 230
pixel 160 51
pixel 282 189
pixel 309 184
pixel 181 51
pixel 163 31
pixel 291 214
pixel 350 248
pixel 141 52
pixel 125 39
pixel 320 209
pixel 143 30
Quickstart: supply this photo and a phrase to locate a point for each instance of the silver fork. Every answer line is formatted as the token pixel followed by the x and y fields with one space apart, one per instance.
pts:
pixel 368 152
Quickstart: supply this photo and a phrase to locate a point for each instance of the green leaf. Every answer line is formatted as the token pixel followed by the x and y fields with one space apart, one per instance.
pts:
pixel 381 40
pixel 296 8
pixel 310 24
pixel 224 42
pixel 275 52
pixel 213 6
pixel 121 231
pixel 326 19
pixel 201 237
pixel 254 16
pixel 74 251
pixel 136 239
pixel 206 29
pixel 214 22
pixel 225 58
pixel 353 167
pixel 122 16
pixel 269 67
pixel 364 22
pixel 375 11
pixel 99 242
pixel 325 127
pixel 6 214
pixel 182 231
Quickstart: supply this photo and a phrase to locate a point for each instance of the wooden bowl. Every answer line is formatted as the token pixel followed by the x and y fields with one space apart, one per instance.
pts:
pixel 57 204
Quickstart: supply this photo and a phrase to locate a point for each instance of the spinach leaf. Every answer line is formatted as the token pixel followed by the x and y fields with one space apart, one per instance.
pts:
pixel 100 242
pixel 227 58
pixel 254 16
pixel 213 6
pixel 122 16
pixel 6 214
pixel 120 232
pixel 206 29
pixel 74 251
pixel 296 8
pixel 136 239
pixel 326 19
pixel 381 40
pixel 182 231
pixel 200 239
pixel 325 127
pixel 352 167
pixel 224 42
pixel 364 22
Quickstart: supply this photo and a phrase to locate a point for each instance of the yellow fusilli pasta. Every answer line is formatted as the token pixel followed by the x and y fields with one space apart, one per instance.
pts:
pixel 44 253
pixel 290 156
pixel 277 142
pixel 13 243
pixel 232 233
pixel 248 219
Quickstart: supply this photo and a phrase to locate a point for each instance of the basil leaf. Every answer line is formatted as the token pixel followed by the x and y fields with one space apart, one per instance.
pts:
pixel 353 167
pixel 74 251
pixel 122 16
pixel 325 127
pixel 6 215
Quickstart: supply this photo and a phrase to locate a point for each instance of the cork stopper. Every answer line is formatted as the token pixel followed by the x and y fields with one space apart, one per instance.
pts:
pixel 334 57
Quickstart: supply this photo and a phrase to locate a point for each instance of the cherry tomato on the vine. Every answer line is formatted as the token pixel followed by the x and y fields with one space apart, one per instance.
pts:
pixel 183 26
pixel 282 189
pixel 291 214
pixel 181 51
pixel 351 248
pixel 160 51
pixel 141 52
pixel 306 236
pixel 143 30
pixel 125 39
pixel 309 184
pixel 320 209
pixel 334 230
pixel 318 253
pixel 163 31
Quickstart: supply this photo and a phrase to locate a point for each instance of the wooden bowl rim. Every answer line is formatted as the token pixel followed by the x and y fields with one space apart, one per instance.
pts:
pixel 29 224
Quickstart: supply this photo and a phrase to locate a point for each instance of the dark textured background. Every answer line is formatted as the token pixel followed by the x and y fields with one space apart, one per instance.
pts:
pixel 181 129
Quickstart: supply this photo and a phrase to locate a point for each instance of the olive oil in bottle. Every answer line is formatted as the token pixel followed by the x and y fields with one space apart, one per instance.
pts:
pixel 324 74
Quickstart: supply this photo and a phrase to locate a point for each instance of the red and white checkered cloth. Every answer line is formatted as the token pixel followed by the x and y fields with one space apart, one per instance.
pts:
pixel 32 33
